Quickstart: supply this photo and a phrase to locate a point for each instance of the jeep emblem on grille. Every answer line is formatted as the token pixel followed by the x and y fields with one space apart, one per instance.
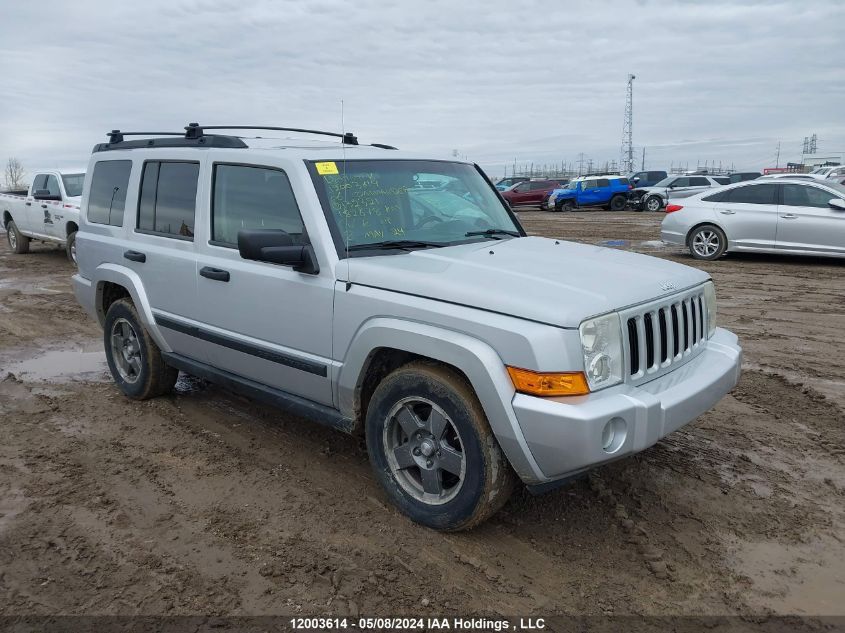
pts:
pixel 667 285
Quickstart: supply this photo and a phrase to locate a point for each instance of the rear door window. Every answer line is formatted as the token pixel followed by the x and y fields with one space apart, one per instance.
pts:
pixel 107 195
pixel 603 182
pixel 699 181
pixel 752 194
pixel 168 199
pixel 256 198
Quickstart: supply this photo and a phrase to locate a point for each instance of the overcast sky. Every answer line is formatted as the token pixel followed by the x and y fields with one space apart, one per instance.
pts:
pixel 498 81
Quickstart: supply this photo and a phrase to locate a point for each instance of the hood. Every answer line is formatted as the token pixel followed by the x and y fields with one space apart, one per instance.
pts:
pixel 555 282
pixel 645 190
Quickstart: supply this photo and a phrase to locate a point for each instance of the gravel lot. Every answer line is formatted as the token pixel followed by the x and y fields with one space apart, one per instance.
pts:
pixel 204 502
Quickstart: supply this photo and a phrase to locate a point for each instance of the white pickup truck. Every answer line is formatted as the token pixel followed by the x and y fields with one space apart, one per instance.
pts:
pixel 48 211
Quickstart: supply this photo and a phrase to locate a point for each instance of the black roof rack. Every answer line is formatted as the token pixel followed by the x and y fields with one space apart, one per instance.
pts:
pixel 195 130
pixel 195 136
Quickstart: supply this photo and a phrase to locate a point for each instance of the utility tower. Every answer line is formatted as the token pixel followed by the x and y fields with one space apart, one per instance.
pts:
pixel 626 160
pixel 812 148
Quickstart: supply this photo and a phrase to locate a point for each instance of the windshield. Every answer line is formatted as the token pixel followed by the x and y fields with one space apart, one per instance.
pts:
pixel 73 184
pixel 665 182
pixel 376 201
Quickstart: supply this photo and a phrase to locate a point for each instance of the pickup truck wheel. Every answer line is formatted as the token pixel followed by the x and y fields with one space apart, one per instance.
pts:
pixel 707 242
pixel 19 243
pixel 653 204
pixel 133 357
pixel 71 247
pixel 432 449
pixel 617 203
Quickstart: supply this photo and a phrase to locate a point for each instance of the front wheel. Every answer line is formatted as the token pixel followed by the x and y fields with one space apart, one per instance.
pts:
pixel 707 242
pixel 653 204
pixel 18 242
pixel 432 449
pixel 134 358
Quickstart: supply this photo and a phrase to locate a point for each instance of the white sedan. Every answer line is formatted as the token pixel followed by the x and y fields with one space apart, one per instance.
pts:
pixel 790 216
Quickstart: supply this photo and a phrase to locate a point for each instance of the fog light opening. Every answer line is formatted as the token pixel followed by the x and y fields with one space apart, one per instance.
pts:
pixel 613 435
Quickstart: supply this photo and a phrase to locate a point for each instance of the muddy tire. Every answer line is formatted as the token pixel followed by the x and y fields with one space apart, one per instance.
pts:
pixel 707 242
pixel 134 359
pixel 564 205
pixel 17 242
pixel 70 248
pixel 652 204
pixel 432 449
pixel 617 203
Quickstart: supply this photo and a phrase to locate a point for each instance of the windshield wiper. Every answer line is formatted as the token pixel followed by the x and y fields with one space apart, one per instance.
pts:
pixel 391 244
pixel 492 233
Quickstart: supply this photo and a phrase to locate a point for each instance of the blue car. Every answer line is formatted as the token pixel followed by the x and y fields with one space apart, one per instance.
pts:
pixel 610 192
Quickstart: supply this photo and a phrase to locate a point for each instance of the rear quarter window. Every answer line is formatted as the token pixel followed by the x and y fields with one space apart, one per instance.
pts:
pixel 107 195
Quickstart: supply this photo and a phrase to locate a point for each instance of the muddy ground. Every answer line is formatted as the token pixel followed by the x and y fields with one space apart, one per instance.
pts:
pixel 204 502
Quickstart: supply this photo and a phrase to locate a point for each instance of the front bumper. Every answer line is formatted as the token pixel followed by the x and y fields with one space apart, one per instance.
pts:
pixel 567 435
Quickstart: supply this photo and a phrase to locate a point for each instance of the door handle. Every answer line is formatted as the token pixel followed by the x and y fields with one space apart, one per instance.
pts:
pixel 789 216
pixel 214 273
pixel 135 256
pixel 29 204
pixel 728 212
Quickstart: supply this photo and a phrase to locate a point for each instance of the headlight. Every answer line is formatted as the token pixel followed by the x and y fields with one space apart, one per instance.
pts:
pixel 710 304
pixel 601 341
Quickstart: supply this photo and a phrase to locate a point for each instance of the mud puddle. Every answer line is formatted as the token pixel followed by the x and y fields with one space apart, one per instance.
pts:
pixel 61 366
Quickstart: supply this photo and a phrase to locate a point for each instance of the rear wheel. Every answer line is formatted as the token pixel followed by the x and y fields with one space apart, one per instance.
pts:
pixel 19 243
pixel 134 359
pixel 432 449
pixel 617 203
pixel 653 204
pixel 71 247
pixel 707 242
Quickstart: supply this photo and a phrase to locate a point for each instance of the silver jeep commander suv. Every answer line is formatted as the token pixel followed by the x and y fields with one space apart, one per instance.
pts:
pixel 395 296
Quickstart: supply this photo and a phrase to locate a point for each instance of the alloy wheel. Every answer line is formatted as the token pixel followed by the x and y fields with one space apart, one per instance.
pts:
pixel 424 451
pixel 705 243
pixel 126 350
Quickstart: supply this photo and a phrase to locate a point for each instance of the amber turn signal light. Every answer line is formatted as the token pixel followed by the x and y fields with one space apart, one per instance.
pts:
pixel 549 384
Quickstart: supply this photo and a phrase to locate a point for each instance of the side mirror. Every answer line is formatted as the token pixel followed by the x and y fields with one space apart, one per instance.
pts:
pixel 276 247
pixel 636 179
pixel 837 204
pixel 44 194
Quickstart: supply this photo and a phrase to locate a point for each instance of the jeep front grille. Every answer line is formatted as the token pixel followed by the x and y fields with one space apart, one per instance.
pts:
pixel 665 334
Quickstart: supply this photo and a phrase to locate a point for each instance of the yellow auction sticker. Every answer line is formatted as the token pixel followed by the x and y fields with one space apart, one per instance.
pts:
pixel 326 169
